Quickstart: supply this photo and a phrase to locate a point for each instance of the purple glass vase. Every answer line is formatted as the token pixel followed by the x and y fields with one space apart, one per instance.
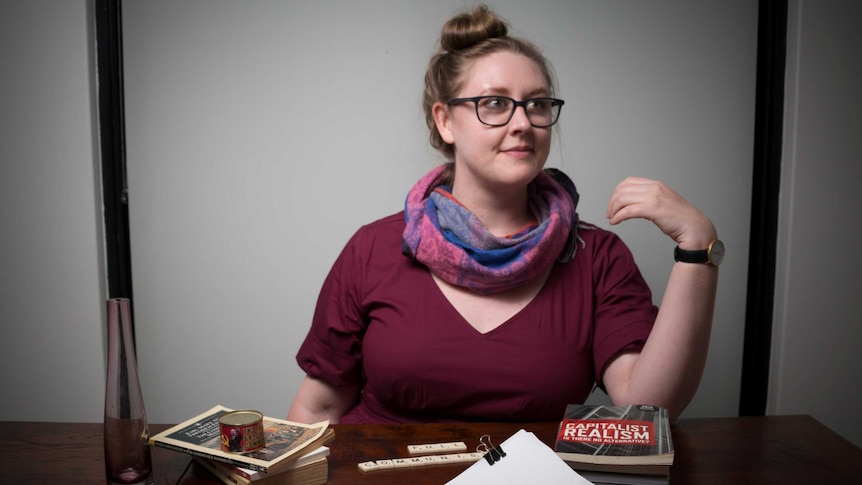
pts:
pixel 127 450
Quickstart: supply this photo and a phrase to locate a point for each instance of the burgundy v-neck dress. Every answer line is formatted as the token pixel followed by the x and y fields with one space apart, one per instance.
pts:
pixel 383 323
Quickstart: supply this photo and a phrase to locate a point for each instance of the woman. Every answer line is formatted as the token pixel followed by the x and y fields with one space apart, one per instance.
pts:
pixel 487 298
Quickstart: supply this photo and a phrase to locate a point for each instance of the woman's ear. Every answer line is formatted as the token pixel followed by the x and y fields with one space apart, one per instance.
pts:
pixel 440 111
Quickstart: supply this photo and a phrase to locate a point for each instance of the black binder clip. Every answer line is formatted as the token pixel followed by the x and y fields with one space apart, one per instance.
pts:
pixel 491 453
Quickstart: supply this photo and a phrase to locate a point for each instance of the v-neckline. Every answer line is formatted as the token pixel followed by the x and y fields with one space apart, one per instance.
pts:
pixel 468 305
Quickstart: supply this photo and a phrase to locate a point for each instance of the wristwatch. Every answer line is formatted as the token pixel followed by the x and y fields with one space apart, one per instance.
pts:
pixel 713 255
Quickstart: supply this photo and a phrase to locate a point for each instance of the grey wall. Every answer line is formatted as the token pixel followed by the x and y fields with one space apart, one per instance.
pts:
pixel 818 300
pixel 261 135
pixel 51 249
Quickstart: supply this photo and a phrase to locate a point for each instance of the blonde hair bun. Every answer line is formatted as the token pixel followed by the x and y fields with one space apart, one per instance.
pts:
pixel 470 28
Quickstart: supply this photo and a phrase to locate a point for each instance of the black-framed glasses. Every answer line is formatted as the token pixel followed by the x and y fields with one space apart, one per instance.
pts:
pixel 498 110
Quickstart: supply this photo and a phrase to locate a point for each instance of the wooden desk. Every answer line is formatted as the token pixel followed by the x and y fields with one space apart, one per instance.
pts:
pixel 757 450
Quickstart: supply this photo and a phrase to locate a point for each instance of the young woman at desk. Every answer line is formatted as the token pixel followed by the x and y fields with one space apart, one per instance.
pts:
pixel 487 299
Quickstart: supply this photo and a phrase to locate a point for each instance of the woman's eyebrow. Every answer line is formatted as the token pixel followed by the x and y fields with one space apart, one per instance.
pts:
pixel 502 91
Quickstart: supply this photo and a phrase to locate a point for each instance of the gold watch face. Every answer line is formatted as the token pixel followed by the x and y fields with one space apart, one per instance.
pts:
pixel 716 252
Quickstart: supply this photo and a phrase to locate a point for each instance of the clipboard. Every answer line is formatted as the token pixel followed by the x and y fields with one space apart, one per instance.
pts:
pixel 526 460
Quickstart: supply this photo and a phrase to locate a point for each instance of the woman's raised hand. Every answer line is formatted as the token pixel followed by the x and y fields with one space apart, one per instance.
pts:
pixel 641 198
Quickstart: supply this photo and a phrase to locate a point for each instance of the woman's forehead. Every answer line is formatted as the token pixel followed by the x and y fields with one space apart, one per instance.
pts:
pixel 505 73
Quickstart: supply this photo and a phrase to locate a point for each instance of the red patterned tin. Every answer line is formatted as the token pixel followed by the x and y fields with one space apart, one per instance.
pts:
pixel 241 431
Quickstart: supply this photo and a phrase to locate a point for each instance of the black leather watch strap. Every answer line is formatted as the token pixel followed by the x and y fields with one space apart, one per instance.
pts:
pixel 713 255
pixel 700 256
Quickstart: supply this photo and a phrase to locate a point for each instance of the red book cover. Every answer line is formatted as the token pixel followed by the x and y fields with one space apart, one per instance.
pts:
pixel 636 434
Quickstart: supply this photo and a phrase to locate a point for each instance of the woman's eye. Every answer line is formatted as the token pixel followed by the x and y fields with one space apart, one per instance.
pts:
pixel 496 103
pixel 538 104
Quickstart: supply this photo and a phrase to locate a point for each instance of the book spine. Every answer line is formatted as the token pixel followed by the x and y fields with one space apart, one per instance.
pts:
pixel 238 471
pixel 188 451
pixel 219 472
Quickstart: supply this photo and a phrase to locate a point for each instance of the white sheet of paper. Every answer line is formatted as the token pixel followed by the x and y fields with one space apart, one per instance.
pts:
pixel 527 460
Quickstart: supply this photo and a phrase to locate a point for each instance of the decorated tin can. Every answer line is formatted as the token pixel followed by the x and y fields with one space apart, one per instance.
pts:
pixel 241 431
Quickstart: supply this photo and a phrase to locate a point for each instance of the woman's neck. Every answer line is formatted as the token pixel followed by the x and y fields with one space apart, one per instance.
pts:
pixel 501 213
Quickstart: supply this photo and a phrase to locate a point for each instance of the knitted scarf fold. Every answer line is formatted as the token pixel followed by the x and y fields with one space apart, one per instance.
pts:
pixel 455 245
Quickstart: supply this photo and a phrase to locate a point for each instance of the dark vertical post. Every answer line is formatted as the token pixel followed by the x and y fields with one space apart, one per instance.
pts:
pixel 109 55
pixel 769 125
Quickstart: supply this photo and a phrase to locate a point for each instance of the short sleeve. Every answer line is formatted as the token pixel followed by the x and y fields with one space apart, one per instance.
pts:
pixel 624 311
pixel 332 350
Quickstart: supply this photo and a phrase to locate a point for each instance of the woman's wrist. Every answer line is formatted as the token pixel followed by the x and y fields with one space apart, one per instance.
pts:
pixel 697 239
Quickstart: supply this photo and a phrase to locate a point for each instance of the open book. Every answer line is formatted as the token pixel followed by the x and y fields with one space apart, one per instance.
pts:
pixel 285 440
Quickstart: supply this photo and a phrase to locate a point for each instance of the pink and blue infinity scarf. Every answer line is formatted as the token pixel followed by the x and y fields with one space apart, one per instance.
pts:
pixel 455 245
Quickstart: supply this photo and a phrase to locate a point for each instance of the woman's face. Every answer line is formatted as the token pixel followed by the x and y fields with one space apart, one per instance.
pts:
pixel 496 158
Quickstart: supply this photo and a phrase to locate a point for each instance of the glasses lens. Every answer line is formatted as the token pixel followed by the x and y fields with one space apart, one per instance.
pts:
pixel 494 110
pixel 542 111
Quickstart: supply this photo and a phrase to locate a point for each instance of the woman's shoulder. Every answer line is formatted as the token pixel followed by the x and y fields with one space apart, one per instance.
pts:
pixel 384 231
pixel 599 242
pixel 589 231
pixel 391 222
pixel 603 257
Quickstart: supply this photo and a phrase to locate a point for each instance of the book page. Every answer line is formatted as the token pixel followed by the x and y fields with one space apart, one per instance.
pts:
pixel 201 436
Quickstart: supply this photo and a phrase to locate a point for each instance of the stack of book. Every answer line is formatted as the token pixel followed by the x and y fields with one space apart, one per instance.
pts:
pixel 617 445
pixel 293 454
